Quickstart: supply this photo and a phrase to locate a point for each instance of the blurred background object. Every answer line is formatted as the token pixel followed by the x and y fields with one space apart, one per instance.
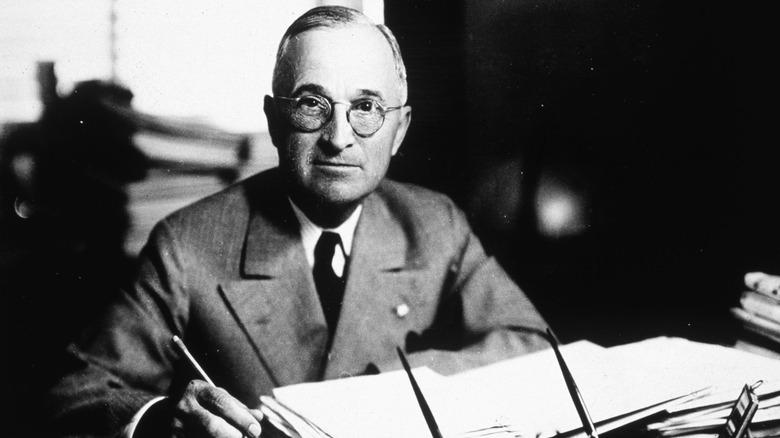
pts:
pixel 81 190
pixel 759 314
pixel 63 219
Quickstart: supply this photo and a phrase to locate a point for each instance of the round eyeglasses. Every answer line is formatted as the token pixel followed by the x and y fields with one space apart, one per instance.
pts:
pixel 311 112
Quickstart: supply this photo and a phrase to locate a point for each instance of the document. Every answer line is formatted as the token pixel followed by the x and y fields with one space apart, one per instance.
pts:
pixel 379 406
pixel 691 383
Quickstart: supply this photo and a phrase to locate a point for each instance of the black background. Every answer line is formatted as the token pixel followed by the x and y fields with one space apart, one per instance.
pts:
pixel 662 115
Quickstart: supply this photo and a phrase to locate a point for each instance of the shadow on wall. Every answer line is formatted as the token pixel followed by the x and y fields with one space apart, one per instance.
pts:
pixel 62 222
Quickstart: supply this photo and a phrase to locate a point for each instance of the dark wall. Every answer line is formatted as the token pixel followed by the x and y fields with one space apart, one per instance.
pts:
pixel 657 116
pixel 433 50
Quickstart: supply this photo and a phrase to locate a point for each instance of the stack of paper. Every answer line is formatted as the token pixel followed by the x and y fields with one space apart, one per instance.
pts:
pixel 192 154
pixel 759 309
pixel 289 422
pixel 379 406
pixel 707 415
pixel 729 371
pixel 160 194
pixel 682 382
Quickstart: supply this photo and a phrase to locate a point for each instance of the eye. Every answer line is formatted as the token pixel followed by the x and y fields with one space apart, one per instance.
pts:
pixel 310 102
pixel 312 106
pixel 366 106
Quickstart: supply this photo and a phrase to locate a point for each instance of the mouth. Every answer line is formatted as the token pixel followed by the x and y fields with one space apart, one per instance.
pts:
pixel 334 165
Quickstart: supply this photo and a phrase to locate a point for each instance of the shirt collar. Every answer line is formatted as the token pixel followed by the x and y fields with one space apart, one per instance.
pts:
pixel 310 232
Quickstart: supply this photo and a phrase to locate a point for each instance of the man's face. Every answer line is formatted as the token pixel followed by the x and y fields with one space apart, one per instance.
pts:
pixel 334 165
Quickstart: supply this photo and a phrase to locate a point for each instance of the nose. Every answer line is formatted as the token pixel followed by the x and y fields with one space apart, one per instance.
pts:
pixel 338 134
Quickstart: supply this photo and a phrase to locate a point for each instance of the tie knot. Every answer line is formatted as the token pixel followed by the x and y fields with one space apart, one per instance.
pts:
pixel 326 246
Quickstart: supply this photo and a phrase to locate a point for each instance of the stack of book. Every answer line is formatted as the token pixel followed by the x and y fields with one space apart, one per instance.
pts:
pixel 759 309
pixel 188 160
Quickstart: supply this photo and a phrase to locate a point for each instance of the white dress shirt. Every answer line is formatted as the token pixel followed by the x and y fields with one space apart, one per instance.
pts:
pixel 310 234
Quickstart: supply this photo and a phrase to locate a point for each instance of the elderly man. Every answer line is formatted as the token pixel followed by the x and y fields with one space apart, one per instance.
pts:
pixel 314 270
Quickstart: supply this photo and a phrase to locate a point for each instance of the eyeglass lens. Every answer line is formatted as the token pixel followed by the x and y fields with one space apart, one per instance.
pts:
pixel 310 113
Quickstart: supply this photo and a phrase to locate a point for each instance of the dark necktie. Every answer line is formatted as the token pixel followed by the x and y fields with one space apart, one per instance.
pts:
pixel 330 286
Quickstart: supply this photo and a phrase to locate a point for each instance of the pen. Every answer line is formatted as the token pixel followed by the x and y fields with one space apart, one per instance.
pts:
pixel 432 426
pixel 183 348
pixel 574 392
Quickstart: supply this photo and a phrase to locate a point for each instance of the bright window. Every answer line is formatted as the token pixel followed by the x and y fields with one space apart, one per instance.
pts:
pixel 204 60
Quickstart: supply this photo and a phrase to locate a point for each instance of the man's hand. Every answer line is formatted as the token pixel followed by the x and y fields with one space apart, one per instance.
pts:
pixel 764 283
pixel 207 411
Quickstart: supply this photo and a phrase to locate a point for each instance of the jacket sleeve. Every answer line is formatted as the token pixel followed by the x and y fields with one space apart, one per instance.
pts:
pixel 483 316
pixel 124 359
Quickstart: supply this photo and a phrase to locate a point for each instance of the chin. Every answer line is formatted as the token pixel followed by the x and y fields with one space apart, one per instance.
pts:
pixel 339 198
pixel 340 192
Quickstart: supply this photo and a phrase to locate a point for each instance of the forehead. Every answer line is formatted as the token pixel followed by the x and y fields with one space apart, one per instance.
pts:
pixel 343 61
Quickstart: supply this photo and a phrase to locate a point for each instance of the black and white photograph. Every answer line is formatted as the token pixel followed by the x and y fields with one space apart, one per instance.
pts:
pixel 389 218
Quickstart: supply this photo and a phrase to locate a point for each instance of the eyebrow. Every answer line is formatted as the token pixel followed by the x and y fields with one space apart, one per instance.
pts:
pixel 371 93
pixel 311 88
pixel 319 89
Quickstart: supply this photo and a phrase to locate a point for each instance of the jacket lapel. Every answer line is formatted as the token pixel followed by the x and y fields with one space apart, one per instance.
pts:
pixel 380 294
pixel 276 304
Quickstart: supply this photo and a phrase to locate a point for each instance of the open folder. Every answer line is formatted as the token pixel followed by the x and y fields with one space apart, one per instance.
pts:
pixel 671 381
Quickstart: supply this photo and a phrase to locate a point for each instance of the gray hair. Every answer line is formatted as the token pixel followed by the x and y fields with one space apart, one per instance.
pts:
pixel 334 17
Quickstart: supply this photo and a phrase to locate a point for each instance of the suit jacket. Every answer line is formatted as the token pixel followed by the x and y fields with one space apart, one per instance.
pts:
pixel 230 277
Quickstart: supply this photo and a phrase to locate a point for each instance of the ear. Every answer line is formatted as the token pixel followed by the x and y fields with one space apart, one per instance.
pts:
pixel 271 116
pixel 404 120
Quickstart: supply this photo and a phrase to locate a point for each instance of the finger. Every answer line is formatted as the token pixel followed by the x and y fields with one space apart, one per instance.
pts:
pixel 211 426
pixel 204 425
pixel 753 278
pixel 220 403
pixel 200 423
pixel 764 283
pixel 258 414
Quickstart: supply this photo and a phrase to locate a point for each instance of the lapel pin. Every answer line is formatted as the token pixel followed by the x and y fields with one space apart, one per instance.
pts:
pixel 401 310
